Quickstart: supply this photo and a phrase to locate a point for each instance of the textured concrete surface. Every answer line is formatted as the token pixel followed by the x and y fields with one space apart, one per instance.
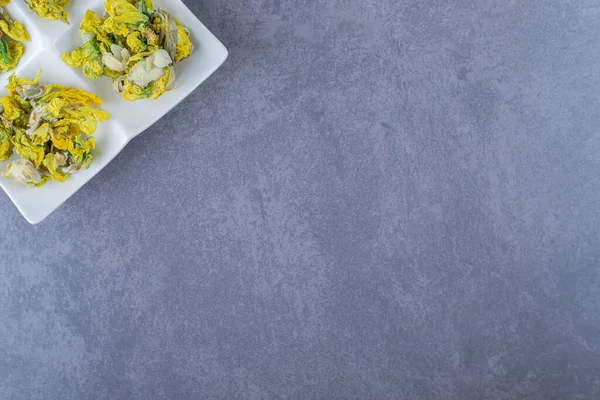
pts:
pixel 380 199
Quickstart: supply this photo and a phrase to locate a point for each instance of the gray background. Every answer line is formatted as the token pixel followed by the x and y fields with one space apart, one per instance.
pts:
pixel 371 199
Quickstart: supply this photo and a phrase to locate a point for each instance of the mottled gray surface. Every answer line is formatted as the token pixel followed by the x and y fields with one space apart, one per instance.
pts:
pixel 377 199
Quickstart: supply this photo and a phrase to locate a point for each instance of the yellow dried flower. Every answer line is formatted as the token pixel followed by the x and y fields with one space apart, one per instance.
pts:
pixel 134 45
pixel 50 128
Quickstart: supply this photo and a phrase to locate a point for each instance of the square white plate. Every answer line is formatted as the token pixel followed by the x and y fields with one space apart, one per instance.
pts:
pixel 49 39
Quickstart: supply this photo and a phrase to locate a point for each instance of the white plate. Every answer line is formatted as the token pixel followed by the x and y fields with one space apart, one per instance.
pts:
pixel 49 39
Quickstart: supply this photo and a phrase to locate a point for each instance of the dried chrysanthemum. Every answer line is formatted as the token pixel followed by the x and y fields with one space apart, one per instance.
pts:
pixel 23 171
pixel 134 45
pixel 49 128
pixel 11 50
pixel 50 9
